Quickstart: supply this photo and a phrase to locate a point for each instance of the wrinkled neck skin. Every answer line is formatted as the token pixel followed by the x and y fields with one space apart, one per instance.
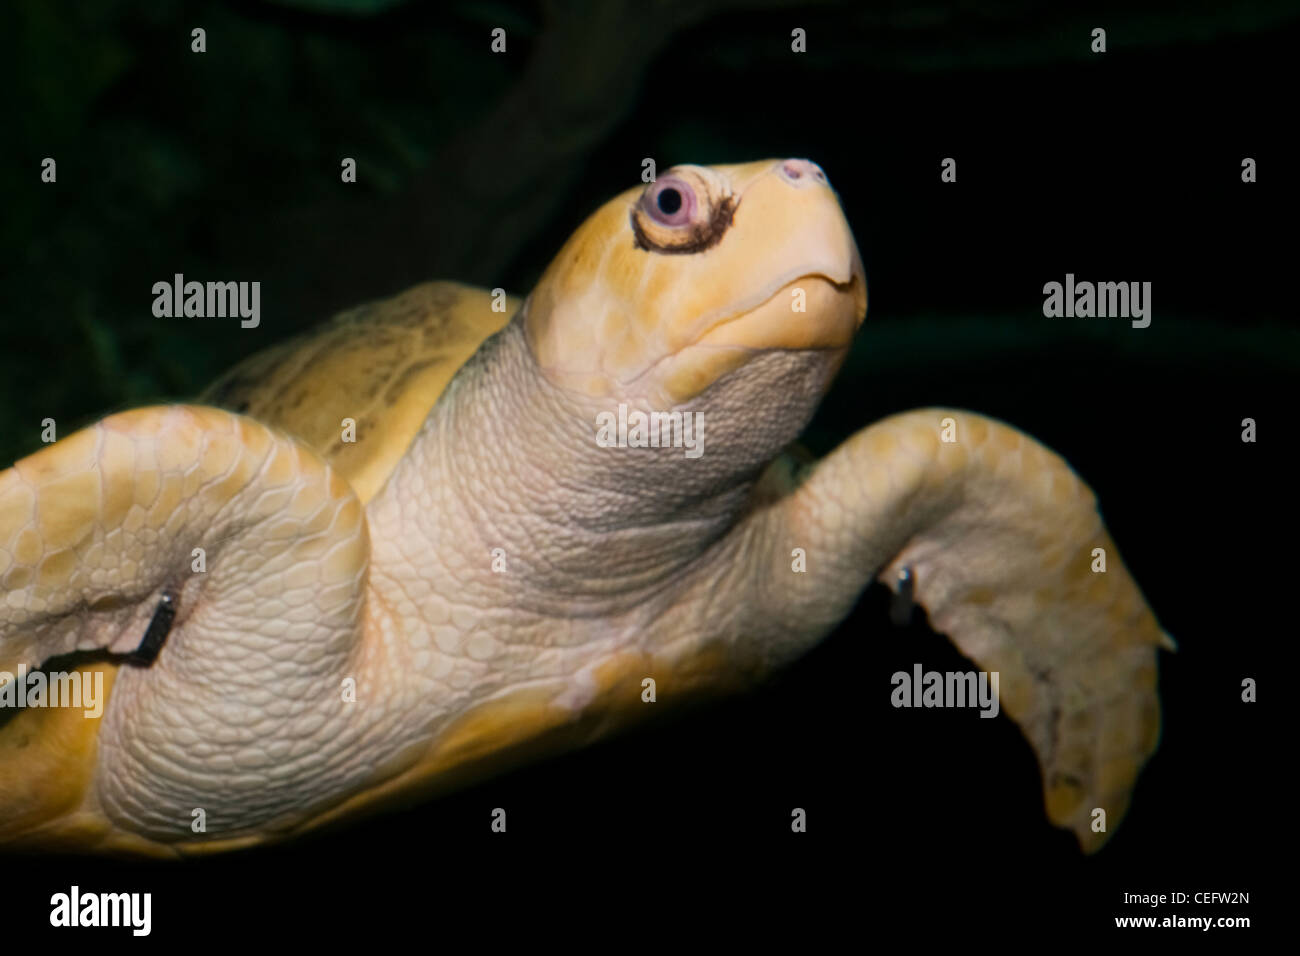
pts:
pixel 610 554
pixel 508 461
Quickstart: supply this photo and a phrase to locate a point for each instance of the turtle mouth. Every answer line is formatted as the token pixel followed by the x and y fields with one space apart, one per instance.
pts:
pixel 810 310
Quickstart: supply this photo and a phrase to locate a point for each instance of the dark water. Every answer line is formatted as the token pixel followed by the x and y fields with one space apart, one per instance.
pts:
pixel 1122 166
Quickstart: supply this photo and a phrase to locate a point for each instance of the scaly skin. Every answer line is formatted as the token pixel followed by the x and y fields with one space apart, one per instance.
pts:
pixel 619 563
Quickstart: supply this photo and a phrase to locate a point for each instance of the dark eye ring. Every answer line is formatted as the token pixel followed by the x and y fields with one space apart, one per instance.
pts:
pixel 670 202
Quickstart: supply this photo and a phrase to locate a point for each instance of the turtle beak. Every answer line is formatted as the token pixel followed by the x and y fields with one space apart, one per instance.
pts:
pixel 847 274
pixel 818 298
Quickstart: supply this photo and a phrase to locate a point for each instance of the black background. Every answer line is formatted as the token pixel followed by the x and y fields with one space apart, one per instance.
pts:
pixel 1122 166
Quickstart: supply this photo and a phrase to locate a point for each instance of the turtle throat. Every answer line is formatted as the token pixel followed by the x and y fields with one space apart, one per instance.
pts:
pixel 588 503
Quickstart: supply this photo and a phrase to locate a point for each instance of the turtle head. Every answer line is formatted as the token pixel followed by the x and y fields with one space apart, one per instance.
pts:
pixel 668 289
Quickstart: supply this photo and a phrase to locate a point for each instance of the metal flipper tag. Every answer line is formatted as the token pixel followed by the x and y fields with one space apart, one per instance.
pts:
pixel 900 607
pixel 155 634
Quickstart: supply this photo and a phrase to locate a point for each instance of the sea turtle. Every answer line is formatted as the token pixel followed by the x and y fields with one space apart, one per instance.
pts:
pixel 543 509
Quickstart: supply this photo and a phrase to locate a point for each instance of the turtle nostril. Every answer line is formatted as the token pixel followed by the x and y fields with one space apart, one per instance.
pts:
pixel 796 170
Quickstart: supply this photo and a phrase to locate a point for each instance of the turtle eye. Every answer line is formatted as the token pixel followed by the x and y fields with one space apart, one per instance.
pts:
pixel 670 202
pixel 685 210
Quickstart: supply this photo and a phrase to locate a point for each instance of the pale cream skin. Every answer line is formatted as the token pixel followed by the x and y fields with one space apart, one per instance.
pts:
pixel 620 564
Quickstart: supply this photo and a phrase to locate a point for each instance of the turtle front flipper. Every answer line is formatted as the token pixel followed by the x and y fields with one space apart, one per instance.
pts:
pixel 227 554
pixel 1003 545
